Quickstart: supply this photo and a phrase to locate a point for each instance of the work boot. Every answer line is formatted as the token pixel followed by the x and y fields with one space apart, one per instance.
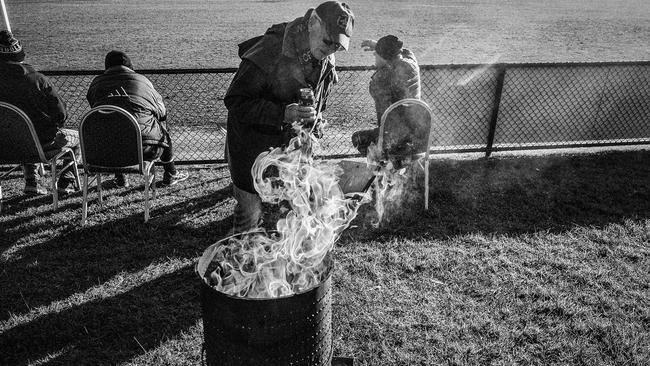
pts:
pixel 32 181
pixel 63 192
pixel 34 190
pixel 171 179
pixel 121 180
pixel 66 187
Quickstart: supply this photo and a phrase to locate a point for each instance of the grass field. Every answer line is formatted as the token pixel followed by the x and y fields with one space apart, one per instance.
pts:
pixel 519 260
pixel 528 260
pixel 76 34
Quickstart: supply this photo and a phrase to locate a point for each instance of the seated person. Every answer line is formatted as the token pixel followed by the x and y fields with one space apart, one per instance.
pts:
pixel 397 77
pixel 29 90
pixel 120 86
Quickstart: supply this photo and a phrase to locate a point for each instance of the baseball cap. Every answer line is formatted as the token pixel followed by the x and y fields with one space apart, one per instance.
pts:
pixel 339 21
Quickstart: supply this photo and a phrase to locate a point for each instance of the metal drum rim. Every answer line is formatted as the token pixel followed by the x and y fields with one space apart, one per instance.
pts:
pixel 327 278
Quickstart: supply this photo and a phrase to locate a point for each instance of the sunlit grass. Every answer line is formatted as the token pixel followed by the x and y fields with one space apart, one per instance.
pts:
pixel 530 260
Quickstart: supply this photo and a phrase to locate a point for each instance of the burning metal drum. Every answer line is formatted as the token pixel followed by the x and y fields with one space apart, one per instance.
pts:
pixel 291 330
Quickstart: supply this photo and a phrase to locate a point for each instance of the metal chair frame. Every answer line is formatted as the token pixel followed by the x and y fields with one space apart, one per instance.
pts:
pixel 41 157
pixel 144 167
pixel 425 154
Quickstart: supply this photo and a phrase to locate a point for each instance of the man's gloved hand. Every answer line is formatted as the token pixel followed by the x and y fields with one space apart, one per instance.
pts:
pixel 317 129
pixel 60 139
pixel 305 115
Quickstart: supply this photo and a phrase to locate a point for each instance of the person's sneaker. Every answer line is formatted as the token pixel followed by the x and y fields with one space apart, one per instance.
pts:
pixel 62 192
pixel 170 180
pixel 121 180
pixel 35 190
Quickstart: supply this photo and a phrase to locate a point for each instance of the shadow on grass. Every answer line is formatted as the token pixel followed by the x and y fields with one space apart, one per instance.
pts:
pixel 510 196
pixel 15 202
pixel 75 259
pixel 32 214
pixel 500 196
pixel 111 330
pixel 18 203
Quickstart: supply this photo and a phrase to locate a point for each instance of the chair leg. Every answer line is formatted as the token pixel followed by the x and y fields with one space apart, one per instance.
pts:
pixel 426 184
pixel 84 203
pixel 153 182
pixel 75 169
pixel 99 190
pixel 54 184
pixel 16 167
pixel 146 196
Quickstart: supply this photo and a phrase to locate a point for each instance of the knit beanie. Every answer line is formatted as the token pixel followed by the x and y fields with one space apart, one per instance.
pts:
pixel 388 47
pixel 117 58
pixel 10 48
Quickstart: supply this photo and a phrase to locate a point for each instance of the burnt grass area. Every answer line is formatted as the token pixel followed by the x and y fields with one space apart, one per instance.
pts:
pixel 533 260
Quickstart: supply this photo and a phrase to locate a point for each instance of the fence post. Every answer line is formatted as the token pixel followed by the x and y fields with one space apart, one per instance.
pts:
pixel 501 73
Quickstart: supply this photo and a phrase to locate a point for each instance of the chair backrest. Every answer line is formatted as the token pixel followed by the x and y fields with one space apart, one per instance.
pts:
pixel 18 139
pixel 110 138
pixel 405 128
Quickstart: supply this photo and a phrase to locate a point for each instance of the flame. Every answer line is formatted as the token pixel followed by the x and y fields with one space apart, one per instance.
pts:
pixel 297 257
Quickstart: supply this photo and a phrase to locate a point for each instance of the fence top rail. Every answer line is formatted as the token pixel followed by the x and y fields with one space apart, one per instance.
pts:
pixel 513 65
pixel 368 68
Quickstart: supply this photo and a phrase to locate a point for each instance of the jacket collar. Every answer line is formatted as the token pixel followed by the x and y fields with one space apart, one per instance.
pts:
pixel 118 69
pixel 17 65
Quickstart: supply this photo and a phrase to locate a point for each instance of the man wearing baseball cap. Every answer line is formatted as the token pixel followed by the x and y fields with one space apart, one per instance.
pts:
pixel 338 21
pixel 262 100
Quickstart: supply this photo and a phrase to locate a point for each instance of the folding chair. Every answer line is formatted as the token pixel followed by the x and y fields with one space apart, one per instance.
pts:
pixel 19 144
pixel 111 142
pixel 405 131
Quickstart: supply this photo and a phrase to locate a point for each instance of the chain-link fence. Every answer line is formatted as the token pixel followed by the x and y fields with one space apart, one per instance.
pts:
pixel 477 108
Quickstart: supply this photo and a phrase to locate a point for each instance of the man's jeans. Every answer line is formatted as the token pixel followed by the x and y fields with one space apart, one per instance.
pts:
pixel 166 155
pixel 248 210
pixel 64 138
pixel 153 152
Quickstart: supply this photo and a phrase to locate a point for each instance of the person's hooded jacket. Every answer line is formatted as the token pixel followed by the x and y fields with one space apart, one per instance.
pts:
pixel 121 86
pixel 398 79
pixel 32 92
pixel 274 68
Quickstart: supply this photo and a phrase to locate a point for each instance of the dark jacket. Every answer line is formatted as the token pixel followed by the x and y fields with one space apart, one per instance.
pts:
pixel 397 80
pixel 123 87
pixel 273 69
pixel 32 92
